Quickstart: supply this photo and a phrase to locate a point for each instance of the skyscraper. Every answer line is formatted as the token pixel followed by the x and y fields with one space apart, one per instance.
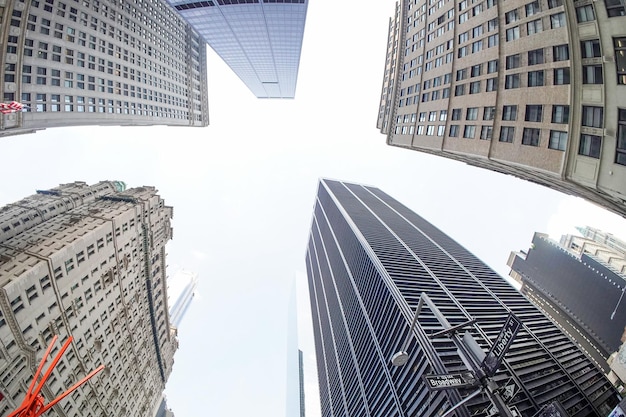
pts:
pixel 88 262
pixel 533 89
pixel 260 40
pixel 100 62
pixel 181 290
pixel 369 259
pixel 578 289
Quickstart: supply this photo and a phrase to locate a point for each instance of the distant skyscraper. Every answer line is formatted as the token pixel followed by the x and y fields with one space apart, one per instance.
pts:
pixel 369 259
pixel 88 262
pixel 579 290
pixel 260 40
pixel 100 62
pixel 295 369
pixel 181 289
pixel 533 89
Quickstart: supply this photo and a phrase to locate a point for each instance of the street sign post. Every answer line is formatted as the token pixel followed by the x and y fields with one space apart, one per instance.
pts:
pixel 494 358
pixel 448 381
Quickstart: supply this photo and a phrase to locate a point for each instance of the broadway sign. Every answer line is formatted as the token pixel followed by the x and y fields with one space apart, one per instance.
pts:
pixel 447 381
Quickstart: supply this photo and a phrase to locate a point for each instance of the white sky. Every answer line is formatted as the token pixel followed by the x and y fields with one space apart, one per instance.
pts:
pixel 243 191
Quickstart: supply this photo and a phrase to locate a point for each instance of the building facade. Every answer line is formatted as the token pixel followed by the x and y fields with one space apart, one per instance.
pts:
pixel 88 262
pixel 579 289
pixel 604 246
pixel 369 259
pixel 534 89
pixel 100 62
pixel 260 40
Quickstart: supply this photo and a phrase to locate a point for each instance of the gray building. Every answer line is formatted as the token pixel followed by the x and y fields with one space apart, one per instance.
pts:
pixel 260 40
pixel 534 89
pixel 369 259
pixel 100 62
pixel 576 286
pixel 88 262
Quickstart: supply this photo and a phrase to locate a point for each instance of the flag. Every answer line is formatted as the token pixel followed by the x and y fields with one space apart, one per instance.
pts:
pixel 11 107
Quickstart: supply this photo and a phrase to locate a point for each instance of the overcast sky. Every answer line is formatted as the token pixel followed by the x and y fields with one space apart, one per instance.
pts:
pixel 243 191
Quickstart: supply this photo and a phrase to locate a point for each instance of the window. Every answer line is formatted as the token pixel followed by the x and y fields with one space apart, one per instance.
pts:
pixel 507 134
pixel 592 74
pixel 469 131
pixel 509 112
pixel 532 8
pixel 534 113
pixel 530 136
pixel 477 46
pixel 441 129
pixel 620 150
pixel 461 74
pixel 476 70
pixel 614 8
pixel 489 113
pixel 557 20
pixel 492 24
pixel 511 81
pixel 590 145
pixel 511 16
pixel 512 61
pixel 561 76
pixel 535 78
pixel 512 34
pixel 492 41
pixel 585 13
pixel 432 116
pixel 590 48
pixel 486 132
pixel 560 52
pixel 534 26
pixel 620 59
pixel 430 130
pixel 422 117
pixel 535 57
pixel 593 116
pixel 558 140
pixel 454 131
pixel 472 113
pixel 456 114
pixel 475 87
pixel 555 3
pixel 459 90
pixel 560 114
pixel 492 84
pixel 443 115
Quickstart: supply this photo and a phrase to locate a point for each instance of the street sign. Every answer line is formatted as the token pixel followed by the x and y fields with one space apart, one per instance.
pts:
pixel 501 345
pixel 508 390
pixel 447 381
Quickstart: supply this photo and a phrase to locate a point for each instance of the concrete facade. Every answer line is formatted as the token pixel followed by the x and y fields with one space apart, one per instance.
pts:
pixel 534 89
pixel 87 261
pixel 100 62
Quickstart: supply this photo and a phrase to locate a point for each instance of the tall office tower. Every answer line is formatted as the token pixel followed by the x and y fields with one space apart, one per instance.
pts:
pixel 260 40
pixel 579 290
pixel 295 368
pixel 530 88
pixel 100 62
pixel 369 260
pixel 88 262
pixel 181 290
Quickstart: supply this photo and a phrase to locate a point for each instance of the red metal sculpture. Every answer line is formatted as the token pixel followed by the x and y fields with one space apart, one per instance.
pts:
pixel 33 404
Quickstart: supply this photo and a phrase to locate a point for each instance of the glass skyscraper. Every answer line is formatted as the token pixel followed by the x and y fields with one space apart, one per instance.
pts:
pixel 369 259
pixel 260 40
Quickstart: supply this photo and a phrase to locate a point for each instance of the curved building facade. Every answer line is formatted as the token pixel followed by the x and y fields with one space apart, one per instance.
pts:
pixel 535 89
pixel 100 62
